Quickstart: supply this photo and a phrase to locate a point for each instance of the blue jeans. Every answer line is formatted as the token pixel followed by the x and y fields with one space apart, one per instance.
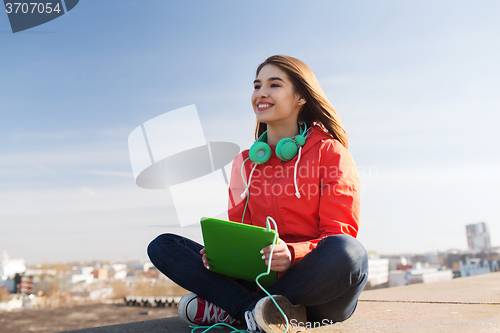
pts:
pixel 328 280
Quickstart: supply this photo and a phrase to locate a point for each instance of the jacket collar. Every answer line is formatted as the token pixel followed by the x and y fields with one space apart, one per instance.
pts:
pixel 316 134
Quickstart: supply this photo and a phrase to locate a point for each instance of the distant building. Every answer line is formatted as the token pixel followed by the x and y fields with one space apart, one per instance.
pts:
pixel 397 278
pixel 421 275
pixel 27 284
pixel 428 275
pixel 10 267
pixel 452 260
pixel 120 271
pixel 476 266
pixel 147 265
pixel 102 274
pixel 85 276
pixel 395 261
pixel 404 267
pixel 478 237
pixel 378 272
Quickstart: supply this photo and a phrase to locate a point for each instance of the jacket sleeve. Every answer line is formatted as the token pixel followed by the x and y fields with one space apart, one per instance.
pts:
pixel 236 204
pixel 339 203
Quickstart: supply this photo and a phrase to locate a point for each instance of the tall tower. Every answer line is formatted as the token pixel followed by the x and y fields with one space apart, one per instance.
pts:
pixel 478 237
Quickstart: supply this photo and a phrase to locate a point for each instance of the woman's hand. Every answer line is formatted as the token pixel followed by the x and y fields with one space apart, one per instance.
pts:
pixel 204 258
pixel 282 258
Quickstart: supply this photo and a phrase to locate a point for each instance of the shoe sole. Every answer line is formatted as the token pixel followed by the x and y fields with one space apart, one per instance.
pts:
pixel 270 318
pixel 183 305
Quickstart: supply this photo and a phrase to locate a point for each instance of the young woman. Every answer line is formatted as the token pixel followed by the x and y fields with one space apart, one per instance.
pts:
pixel 301 174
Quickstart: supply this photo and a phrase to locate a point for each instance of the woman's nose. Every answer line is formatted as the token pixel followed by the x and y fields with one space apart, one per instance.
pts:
pixel 262 93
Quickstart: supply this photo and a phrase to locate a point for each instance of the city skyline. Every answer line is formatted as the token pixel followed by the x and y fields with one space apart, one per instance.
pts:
pixel 415 84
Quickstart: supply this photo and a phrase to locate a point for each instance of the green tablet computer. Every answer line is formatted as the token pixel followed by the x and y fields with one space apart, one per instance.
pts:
pixel 233 249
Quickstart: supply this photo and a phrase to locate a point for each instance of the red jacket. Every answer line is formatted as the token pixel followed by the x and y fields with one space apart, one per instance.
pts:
pixel 328 183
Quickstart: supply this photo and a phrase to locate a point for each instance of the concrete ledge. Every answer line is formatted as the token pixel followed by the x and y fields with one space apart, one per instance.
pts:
pixel 464 304
pixel 172 324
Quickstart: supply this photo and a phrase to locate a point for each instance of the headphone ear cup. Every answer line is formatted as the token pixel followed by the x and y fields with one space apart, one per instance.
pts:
pixel 278 150
pixel 260 152
pixel 301 140
pixel 286 149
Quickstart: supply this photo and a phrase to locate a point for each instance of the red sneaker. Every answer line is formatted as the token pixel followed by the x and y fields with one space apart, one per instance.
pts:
pixel 196 311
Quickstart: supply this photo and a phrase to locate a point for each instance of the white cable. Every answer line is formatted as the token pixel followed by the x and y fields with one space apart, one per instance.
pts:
pixel 244 194
pixel 297 193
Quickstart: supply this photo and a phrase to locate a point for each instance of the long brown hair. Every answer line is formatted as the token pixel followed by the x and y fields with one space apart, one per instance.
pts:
pixel 317 108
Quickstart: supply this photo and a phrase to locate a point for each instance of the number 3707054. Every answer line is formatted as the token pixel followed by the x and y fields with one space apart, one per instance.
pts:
pixel 31 8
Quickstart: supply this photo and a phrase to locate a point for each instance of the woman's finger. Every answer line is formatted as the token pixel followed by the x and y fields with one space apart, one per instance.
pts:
pixel 204 259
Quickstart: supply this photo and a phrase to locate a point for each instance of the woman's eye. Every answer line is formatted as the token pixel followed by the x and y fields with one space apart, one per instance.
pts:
pixel 256 87
pixel 274 85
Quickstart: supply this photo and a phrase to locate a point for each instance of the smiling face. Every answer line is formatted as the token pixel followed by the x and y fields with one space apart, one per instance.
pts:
pixel 274 99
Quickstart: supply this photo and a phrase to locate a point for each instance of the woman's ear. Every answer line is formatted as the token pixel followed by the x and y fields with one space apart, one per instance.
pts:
pixel 302 101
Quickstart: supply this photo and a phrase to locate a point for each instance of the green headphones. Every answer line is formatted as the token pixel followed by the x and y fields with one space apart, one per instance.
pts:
pixel 286 149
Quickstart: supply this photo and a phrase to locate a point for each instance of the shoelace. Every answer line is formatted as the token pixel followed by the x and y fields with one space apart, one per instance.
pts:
pixel 229 320
pixel 252 325
pixel 217 315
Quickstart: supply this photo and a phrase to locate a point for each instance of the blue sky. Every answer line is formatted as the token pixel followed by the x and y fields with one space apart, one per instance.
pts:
pixel 415 82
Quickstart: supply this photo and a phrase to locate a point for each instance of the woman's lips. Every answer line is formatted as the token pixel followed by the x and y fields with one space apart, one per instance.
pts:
pixel 264 106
